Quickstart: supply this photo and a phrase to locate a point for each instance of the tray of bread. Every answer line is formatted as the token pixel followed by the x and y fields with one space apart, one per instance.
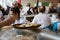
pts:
pixel 26 26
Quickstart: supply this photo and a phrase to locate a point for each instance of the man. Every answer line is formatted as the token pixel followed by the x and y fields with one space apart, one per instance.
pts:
pixel 3 10
pixel 12 17
pixel 42 18
pixel 23 13
pixel 25 9
pixel 51 8
pixel 58 9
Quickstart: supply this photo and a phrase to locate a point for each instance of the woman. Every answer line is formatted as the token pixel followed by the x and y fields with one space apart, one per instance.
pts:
pixel 11 18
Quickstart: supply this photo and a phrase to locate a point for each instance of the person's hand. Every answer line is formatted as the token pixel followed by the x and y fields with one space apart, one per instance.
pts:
pixel 4 28
pixel 7 27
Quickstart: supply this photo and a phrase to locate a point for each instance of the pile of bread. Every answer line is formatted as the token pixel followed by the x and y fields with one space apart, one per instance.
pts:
pixel 28 25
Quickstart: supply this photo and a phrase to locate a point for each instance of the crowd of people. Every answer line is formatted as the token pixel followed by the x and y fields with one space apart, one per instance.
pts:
pixel 16 11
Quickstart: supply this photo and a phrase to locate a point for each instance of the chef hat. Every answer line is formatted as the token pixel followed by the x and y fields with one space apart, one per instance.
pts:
pixel 39 4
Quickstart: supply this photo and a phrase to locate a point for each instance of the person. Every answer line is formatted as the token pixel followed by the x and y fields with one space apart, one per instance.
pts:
pixel 11 18
pixel 56 24
pixel 35 11
pixel 23 13
pixel 30 11
pixel 25 9
pixel 15 3
pixel 42 18
pixel 3 10
pixel 7 10
pixel 58 8
pixel 51 8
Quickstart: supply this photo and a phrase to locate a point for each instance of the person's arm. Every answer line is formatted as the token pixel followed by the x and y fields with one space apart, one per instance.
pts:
pixel 8 21
pixel 34 20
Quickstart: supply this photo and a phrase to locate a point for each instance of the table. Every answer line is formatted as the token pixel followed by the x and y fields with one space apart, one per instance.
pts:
pixel 49 35
pixel 9 32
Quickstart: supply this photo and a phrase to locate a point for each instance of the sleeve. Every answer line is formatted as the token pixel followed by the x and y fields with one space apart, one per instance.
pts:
pixel 46 22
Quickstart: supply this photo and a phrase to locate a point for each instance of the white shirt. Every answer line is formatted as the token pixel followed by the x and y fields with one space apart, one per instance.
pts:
pixel 54 19
pixel 42 19
pixel 1 14
pixel 25 9
pixel 22 13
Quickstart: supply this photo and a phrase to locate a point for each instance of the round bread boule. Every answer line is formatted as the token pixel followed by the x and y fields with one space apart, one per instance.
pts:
pixel 35 25
pixel 21 26
pixel 27 25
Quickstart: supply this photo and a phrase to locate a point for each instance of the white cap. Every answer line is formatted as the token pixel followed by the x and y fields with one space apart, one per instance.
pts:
pixel 39 4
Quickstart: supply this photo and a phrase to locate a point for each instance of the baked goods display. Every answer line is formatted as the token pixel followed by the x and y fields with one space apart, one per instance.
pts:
pixel 26 25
